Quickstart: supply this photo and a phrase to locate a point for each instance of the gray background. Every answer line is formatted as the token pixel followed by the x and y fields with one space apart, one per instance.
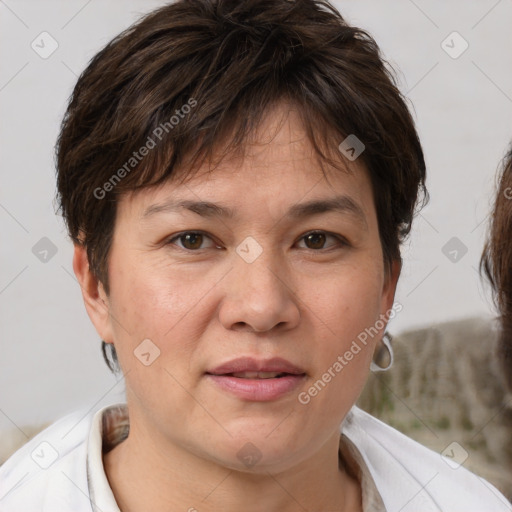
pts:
pixel 50 354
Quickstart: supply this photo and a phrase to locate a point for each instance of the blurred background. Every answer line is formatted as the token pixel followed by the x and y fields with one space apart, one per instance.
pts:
pixel 453 61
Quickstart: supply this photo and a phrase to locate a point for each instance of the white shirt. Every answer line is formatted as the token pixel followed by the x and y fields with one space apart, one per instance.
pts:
pixel 61 469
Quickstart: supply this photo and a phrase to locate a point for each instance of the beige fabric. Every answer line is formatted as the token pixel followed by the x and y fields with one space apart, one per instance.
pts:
pixel 372 500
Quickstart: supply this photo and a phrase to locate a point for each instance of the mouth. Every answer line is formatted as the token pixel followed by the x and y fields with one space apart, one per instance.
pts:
pixel 257 380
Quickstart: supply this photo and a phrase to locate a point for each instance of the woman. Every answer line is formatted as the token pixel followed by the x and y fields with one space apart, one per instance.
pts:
pixel 237 178
pixel 497 262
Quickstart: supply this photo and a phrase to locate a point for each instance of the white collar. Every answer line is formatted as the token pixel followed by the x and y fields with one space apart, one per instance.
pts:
pixel 100 492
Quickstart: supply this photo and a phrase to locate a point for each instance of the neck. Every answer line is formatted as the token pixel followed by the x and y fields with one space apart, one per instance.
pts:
pixel 143 477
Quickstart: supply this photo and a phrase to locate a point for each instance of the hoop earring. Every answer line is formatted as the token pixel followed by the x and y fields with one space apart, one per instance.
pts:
pixel 386 340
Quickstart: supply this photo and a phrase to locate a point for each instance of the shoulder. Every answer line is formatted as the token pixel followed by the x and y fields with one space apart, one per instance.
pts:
pixel 411 477
pixel 50 470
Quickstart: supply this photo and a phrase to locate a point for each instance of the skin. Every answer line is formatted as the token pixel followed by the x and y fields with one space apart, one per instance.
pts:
pixel 302 299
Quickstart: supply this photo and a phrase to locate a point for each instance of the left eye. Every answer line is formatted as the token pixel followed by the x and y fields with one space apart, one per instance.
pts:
pixel 317 239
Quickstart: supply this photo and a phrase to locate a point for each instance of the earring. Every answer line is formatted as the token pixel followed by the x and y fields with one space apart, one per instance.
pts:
pixel 386 341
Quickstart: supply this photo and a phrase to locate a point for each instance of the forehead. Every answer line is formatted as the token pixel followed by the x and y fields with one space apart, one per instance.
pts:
pixel 278 165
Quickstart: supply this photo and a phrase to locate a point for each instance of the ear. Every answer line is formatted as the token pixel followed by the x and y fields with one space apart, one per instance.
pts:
pixel 391 280
pixel 95 299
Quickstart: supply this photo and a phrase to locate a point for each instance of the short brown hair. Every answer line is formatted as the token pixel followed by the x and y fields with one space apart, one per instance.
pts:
pixel 229 62
pixel 496 262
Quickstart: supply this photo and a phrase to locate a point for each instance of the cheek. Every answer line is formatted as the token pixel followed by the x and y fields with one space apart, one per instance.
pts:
pixel 148 304
pixel 352 302
pixel 347 315
pixel 153 303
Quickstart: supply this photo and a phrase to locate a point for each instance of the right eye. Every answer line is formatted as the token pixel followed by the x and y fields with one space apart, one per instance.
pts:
pixel 191 240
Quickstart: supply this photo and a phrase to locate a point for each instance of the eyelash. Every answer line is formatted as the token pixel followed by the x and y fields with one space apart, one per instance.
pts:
pixel 341 240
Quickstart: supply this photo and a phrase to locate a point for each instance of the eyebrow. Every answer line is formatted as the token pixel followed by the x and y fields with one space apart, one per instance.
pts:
pixel 342 204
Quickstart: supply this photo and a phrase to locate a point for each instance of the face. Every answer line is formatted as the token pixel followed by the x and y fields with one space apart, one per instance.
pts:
pixel 247 295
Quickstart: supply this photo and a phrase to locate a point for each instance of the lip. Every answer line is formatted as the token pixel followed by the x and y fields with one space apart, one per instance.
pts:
pixel 257 390
pixel 249 364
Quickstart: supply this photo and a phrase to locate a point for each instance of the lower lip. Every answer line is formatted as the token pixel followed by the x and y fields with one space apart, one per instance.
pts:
pixel 258 390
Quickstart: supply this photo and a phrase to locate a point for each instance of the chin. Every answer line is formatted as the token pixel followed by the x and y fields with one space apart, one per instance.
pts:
pixel 261 450
pixel 251 460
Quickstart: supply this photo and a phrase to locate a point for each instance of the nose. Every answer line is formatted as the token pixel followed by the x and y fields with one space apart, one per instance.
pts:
pixel 259 297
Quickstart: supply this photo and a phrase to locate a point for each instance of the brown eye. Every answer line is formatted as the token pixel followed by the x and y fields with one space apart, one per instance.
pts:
pixel 315 240
pixel 192 240
pixel 319 240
